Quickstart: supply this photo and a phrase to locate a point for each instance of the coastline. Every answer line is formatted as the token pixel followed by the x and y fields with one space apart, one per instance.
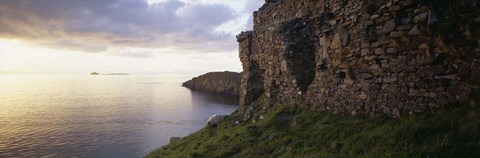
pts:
pixel 292 132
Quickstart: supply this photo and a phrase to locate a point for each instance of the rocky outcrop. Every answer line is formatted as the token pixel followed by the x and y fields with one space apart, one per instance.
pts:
pixel 393 57
pixel 225 83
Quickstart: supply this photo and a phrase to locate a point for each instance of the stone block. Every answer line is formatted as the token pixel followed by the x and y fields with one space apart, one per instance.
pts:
pixel 378 51
pixel 365 76
pixel 396 34
pixel 421 17
pixel 391 50
pixel 363 96
pixel 376 44
pixel 389 26
pixel 415 31
pixel 336 43
pixel 365 52
pixel 389 80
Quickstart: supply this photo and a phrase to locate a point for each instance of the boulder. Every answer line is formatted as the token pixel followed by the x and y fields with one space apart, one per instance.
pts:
pixel 215 119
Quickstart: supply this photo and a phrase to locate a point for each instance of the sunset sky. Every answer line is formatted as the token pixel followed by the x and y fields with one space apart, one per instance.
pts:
pixel 130 36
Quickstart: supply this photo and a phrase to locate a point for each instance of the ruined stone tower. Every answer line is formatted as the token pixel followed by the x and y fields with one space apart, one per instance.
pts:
pixel 393 57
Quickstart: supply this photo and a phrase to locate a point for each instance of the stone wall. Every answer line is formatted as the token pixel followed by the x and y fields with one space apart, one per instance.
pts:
pixel 393 57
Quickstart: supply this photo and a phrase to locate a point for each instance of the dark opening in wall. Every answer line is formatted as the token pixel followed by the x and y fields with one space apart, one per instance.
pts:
pixel 255 86
pixel 342 75
pixel 378 61
pixel 299 38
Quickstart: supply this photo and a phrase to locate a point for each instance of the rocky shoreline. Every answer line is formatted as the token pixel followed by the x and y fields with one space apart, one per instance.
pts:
pixel 223 83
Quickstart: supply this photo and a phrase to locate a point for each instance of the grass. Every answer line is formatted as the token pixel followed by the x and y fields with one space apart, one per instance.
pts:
pixel 291 132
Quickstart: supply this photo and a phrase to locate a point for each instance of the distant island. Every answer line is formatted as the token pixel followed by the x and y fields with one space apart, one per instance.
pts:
pixel 96 73
pixel 116 74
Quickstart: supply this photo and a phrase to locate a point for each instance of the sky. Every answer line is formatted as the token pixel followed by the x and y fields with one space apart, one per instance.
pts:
pixel 122 36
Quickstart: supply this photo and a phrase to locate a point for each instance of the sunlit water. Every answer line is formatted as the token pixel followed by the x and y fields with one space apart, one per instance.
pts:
pixel 98 116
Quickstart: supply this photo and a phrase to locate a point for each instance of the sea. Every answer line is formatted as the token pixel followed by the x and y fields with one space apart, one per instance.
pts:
pixel 122 116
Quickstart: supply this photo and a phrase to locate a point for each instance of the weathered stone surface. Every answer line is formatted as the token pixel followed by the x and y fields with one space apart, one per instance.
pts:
pixel 365 76
pixel 345 35
pixel 283 66
pixel 225 83
pixel 363 96
pixel 421 17
pixel 365 52
pixel 389 26
pixel 389 80
pixel 329 55
pixel 463 70
pixel 397 34
pixel 415 31
pixel 336 43
pixel 379 51
pixel 391 50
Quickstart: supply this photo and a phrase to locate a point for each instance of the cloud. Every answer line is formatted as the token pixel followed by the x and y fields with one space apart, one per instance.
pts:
pixel 131 52
pixel 97 25
pixel 250 6
pixel 73 45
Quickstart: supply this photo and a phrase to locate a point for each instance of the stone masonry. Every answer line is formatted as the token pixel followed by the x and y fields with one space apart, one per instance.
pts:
pixel 392 57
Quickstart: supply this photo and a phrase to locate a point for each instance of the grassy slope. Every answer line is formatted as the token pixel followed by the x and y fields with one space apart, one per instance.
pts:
pixel 453 133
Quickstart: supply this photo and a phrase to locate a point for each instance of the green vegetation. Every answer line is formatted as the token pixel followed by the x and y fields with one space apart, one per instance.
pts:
pixel 291 132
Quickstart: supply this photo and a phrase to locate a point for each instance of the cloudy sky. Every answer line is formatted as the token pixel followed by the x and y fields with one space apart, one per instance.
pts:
pixel 131 36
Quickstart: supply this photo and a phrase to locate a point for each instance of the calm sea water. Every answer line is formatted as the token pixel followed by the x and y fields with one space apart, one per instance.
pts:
pixel 98 116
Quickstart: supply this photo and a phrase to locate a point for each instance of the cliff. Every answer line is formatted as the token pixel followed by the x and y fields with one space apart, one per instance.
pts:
pixel 313 69
pixel 395 57
pixel 225 83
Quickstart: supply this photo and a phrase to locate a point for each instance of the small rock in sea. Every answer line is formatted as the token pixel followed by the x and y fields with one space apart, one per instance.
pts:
pixel 215 119
pixel 173 139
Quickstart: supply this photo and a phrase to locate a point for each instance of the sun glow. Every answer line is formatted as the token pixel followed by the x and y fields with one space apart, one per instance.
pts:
pixel 20 57
pixel 9 42
pixel 12 52
pixel 17 56
pixel 106 39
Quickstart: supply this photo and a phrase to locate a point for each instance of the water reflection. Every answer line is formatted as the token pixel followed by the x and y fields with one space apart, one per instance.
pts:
pixel 101 116
pixel 202 97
